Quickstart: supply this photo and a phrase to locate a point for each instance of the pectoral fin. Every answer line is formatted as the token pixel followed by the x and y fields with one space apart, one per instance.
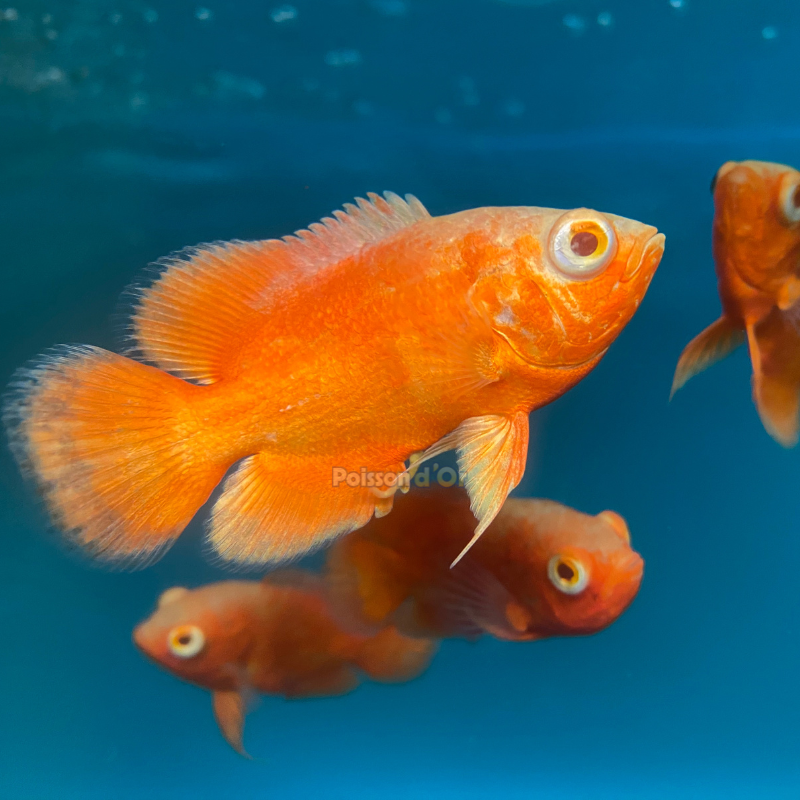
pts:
pixel 716 342
pixel 775 353
pixel 491 452
pixel 229 711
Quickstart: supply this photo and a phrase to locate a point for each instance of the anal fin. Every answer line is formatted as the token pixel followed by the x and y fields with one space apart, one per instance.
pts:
pixel 775 352
pixel 272 511
pixel 716 342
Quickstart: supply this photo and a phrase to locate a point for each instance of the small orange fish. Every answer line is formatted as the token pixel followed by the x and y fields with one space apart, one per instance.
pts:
pixel 276 636
pixel 380 336
pixel 756 242
pixel 541 569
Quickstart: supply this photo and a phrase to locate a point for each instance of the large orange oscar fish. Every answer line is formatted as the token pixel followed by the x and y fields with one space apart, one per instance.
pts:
pixel 381 336
pixel 756 242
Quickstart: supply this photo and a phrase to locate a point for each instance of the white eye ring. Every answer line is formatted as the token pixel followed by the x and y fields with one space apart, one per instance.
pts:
pixel 583 243
pixel 567 574
pixel 186 641
pixel 790 200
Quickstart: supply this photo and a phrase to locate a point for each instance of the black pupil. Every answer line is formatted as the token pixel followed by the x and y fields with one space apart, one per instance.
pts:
pixel 185 639
pixel 714 183
pixel 583 243
pixel 796 197
pixel 565 572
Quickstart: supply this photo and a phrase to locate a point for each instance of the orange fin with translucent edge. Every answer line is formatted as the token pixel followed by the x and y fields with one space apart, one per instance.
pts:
pixel 775 353
pixel 196 312
pixel 365 580
pixel 491 453
pixel 391 657
pixel 113 448
pixel 716 342
pixel 229 712
pixel 272 511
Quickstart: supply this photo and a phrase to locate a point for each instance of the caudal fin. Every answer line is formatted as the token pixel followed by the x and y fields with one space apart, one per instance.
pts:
pixel 390 657
pixel 113 449
pixel 716 342
pixel 775 353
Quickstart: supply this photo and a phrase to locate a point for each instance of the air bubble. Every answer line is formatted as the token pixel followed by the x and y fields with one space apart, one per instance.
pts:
pixel 203 14
pixel 575 23
pixel 514 107
pixel 150 16
pixel 769 33
pixel 605 19
pixel 283 14
pixel 390 8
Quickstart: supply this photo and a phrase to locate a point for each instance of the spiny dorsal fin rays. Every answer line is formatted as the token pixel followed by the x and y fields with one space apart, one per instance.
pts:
pixel 192 317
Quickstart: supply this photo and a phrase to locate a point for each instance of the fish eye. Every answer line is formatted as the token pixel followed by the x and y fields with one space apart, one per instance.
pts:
pixel 186 641
pixel 790 199
pixel 567 574
pixel 582 245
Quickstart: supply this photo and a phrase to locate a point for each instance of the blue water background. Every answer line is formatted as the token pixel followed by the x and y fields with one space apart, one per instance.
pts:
pixel 154 133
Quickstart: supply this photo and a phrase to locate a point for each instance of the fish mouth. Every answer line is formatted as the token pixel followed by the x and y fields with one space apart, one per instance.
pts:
pixel 541 364
pixel 648 261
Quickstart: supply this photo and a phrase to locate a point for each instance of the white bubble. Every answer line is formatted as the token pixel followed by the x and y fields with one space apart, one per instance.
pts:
pixel 115 18
pixel 283 14
pixel 150 16
pixel 52 75
pixel 47 19
pixel 342 58
pixel 51 35
pixel 605 19
pixel 514 107
pixel 575 23
pixel 203 14
pixel 769 33
pixel 443 116
pixel 678 3
pixel 391 8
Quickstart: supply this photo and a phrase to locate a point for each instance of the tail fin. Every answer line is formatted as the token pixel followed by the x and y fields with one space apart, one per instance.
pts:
pixel 390 657
pixel 716 342
pixel 366 582
pixel 113 448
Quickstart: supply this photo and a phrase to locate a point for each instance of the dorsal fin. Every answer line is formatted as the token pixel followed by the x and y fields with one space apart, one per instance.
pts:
pixel 206 298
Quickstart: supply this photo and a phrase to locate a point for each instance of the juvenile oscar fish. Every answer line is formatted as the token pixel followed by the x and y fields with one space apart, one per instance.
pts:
pixel 756 242
pixel 381 336
pixel 540 570
pixel 277 637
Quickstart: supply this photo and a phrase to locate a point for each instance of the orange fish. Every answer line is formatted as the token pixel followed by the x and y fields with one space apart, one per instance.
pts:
pixel 380 336
pixel 277 636
pixel 756 242
pixel 541 569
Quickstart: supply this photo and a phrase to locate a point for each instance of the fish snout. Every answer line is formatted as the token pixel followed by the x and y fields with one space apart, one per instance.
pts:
pixel 645 260
pixel 631 569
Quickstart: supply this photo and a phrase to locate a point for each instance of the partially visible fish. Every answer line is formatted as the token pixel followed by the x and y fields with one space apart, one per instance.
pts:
pixel 540 570
pixel 276 636
pixel 756 241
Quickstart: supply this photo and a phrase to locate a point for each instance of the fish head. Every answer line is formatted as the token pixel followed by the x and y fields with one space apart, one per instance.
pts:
pixel 757 222
pixel 582 572
pixel 200 635
pixel 569 284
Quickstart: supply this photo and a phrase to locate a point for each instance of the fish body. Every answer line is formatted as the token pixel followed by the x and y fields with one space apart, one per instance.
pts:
pixel 277 637
pixel 540 570
pixel 379 337
pixel 756 246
